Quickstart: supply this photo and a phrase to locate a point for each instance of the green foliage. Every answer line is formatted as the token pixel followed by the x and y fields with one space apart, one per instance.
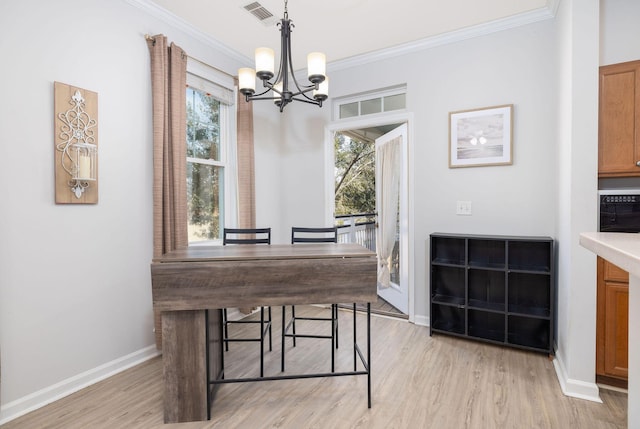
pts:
pixel 354 176
pixel 203 125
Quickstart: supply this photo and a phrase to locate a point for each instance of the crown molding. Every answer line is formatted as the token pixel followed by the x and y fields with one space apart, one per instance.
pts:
pixel 167 17
pixel 449 37
pixel 495 26
pixel 553 6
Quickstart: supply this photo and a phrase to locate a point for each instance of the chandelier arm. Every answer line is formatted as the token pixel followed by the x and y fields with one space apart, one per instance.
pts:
pixel 285 55
pixel 280 66
pixel 309 101
pixel 304 91
pixel 249 97
pixel 257 97
pixel 269 87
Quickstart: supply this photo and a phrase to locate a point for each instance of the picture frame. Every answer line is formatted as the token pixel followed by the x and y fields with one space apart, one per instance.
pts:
pixel 481 137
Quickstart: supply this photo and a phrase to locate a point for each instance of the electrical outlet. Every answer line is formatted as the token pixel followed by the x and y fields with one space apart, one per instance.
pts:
pixel 463 208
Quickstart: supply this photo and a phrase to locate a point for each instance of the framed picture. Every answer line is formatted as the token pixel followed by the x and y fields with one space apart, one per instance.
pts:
pixel 481 137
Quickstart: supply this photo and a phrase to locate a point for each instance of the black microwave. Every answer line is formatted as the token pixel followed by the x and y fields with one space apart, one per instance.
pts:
pixel 619 210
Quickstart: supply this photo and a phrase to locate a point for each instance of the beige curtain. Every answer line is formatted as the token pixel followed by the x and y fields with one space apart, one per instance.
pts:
pixel 168 82
pixel 389 162
pixel 246 164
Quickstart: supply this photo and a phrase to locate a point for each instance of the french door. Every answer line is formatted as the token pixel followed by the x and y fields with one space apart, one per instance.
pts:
pixel 392 206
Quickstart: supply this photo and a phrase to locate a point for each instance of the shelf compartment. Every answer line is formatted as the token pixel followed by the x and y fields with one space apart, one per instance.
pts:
pixel 448 282
pixel 487 289
pixel 448 250
pixel 530 255
pixel 529 294
pixel 487 253
pixel 447 318
pixel 529 332
pixel 448 300
pixel 486 325
pixel 484 305
pixel 526 310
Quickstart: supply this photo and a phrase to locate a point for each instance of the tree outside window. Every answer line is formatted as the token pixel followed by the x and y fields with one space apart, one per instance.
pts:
pixel 355 186
pixel 205 166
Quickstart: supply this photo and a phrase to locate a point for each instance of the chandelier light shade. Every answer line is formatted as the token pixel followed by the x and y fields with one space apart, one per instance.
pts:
pixel 279 89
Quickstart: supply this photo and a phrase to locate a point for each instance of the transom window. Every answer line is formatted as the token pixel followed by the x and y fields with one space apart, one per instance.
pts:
pixel 370 103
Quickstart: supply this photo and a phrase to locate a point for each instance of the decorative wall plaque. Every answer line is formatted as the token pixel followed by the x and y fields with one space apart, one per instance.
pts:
pixel 76 144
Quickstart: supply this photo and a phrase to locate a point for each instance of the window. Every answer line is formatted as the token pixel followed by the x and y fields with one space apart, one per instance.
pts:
pixel 385 100
pixel 210 160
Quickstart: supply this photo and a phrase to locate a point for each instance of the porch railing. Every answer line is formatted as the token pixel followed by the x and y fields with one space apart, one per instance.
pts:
pixel 357 228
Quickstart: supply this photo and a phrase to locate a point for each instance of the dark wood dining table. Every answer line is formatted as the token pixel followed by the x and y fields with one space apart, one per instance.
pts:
pixel 188 284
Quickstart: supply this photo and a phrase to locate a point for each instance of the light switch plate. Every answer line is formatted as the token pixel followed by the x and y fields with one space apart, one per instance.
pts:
pixel 463 208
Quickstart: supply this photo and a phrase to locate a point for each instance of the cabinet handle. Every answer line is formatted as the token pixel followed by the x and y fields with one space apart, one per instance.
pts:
pixel 637 163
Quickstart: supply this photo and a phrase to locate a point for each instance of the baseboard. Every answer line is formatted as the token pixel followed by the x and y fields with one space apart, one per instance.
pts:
pixel 575 388
pixel 421 320
pixel 42 397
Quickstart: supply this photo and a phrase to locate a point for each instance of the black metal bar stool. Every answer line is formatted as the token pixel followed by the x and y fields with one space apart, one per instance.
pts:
pixel 248 236
pixel 311 235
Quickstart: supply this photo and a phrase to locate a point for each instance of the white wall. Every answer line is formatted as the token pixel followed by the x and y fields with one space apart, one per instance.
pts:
pixel 301 172
pixel 509 67
pixel 274 200
pixel 75 291
pixel 620 31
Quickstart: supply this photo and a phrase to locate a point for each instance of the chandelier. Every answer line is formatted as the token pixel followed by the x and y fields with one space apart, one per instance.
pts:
pixel 282 93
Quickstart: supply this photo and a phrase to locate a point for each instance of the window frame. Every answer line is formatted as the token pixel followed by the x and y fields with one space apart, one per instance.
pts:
pixel 228 140
pixel 367 96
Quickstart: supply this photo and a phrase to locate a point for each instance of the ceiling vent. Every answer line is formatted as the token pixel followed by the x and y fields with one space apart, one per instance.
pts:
pixel 260 12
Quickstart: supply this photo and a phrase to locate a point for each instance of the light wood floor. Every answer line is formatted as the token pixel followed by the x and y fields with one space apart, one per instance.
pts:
pixel 418 382
pixel 380 307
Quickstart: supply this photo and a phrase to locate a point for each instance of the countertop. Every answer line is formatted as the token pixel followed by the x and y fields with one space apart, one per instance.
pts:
pixel 621 249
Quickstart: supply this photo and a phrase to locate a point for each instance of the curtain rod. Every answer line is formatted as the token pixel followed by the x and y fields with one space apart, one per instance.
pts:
pixel 151 38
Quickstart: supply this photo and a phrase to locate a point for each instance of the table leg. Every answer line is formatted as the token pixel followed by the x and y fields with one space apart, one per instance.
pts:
pixel 355 339
pixel 185 366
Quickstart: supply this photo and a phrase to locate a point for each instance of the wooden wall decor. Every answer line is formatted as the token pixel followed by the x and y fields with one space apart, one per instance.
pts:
pixel 76 144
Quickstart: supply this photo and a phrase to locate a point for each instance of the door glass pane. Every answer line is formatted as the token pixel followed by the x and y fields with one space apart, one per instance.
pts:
pixel 204 197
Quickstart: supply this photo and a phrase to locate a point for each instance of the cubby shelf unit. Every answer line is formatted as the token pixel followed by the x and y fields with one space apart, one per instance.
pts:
pixel 498 289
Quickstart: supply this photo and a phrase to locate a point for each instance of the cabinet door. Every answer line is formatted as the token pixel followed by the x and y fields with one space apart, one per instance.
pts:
pixel 612 321
pixel 619 116
pixel 615 273
pixel 616 343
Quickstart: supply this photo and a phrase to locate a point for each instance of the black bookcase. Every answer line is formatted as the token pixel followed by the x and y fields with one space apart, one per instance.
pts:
pixel 499 289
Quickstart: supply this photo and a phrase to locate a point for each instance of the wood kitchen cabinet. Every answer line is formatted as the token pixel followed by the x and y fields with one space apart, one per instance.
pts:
pixel 612 326
pixel 619 120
